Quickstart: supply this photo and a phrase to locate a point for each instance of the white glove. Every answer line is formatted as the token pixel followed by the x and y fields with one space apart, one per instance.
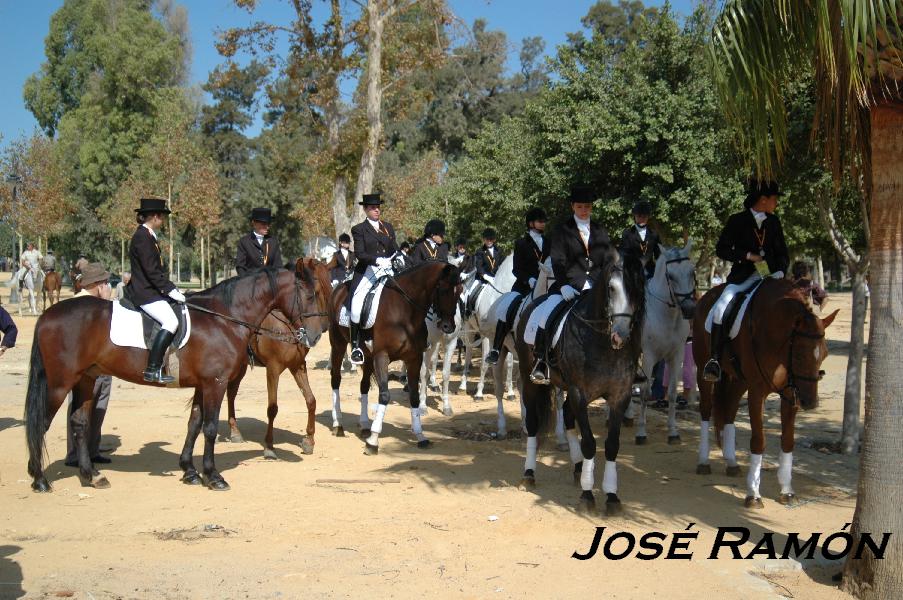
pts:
pixel 532 282
pixel 177 295
pixel 546 266
pixel 568 293
pixel 384 262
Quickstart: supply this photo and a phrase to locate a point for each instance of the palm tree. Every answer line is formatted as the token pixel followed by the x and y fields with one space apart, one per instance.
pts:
pixel 854 48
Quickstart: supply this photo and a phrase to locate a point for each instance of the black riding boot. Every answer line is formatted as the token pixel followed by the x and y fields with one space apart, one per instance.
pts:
pixel 712 370
pixel 357 355
pixel 501 330
pixel 540 373
pixel 154 371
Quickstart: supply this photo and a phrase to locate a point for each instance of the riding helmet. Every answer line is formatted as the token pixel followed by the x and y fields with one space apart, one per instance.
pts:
pixel 434 227
pixel 489 233
pixel 345 238
pixel 535 214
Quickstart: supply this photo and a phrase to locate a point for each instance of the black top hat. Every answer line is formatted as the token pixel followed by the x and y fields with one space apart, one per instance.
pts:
pixel 264 215
pixel 489 233
pixel 756 188
pixel 461 241
pixel 374 199
pixel 642 207
pixel 345 238
pixel 535 214
pixel 153 205
pixel 434 227
pixel 582 193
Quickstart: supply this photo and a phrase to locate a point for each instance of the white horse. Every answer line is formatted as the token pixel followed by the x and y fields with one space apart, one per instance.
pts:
pixel 670 303
pixel 31 279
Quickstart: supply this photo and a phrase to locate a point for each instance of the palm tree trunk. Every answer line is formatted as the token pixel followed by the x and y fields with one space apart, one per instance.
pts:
pixel 852 395
pixel 881 470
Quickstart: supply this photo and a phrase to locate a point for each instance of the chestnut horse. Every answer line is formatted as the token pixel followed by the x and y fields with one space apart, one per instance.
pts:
pixel 399 333
pixel 779 349
pixel 72 347
pixel 277 356
pixel 53 283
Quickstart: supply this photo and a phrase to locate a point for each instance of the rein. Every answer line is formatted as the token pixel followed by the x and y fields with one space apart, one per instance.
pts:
pixel 610 318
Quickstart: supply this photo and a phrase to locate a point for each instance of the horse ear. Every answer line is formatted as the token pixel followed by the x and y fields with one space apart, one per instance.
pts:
pixel 826 322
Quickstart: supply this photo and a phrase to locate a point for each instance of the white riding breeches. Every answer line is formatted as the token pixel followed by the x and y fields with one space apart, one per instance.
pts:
pixel 728 294
pixel 162 313
pixel 539 316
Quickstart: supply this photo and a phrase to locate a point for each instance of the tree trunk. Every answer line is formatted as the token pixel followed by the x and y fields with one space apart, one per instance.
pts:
pixel 211 276
pixel 852 395
pixel 367 170
pixel 121 257
pixel 203 272
pixel 820 272
pixel 881 470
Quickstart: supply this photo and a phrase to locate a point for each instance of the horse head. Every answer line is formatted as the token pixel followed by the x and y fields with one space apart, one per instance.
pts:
pixel 322 285
pixel 297 299
pixel 623 290
pixel 445 298
pixel 808 350
pixel 675 273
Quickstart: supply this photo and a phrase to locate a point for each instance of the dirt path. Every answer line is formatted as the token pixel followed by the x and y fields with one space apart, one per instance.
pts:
pixel 448 521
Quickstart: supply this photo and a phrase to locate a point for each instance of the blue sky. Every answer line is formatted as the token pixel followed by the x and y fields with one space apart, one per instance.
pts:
pixel 24 24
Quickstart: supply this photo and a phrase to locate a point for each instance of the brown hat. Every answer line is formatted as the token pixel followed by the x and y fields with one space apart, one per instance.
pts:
pixel 93 273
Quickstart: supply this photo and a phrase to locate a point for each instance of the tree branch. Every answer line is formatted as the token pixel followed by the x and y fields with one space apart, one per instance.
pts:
pixel 838 239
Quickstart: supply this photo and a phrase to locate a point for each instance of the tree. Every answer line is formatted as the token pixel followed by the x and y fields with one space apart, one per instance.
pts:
pixel 855 48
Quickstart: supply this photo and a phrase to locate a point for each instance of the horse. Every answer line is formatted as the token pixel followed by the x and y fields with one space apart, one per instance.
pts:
pixel 670 304
pixel 277 355
pixel 27 285
pixel 779 348
pixel 596 357
pixel 399 333
pixel 53 283
pixel 72 347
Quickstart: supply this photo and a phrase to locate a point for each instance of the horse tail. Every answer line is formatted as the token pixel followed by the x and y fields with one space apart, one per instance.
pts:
pixel 36 410
pixel 543 403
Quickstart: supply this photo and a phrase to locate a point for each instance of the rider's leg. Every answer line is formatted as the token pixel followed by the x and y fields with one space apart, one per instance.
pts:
pixel 712 370
pixel 163 313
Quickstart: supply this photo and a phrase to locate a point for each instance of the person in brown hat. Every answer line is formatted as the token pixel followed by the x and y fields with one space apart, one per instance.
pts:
pixel 150 286
pixel 95 282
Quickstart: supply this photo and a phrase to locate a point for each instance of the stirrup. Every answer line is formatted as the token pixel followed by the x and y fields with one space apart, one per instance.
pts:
pixel 157 376
pixel 493 357
pixel 356 357
pixel 712 371
pixel 540 373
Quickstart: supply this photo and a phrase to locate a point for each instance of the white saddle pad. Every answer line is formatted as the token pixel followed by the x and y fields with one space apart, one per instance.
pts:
pixel 538 318
pixel 735 326
pixel 127 328
pixel 371 277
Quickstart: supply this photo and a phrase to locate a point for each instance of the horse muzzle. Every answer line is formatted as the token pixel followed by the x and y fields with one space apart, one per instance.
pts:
pixel 447 326
pixel 305 339
pixel 688 309
pixel 617 342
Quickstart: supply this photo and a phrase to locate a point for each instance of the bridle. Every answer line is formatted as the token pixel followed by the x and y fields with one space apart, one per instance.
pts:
pixel 631 317
pixel 676 297
pixel 428 310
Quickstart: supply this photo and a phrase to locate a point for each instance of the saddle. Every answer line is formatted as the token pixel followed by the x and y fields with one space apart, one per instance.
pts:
pixel 149 326
pixel 470 305
pixel 555 324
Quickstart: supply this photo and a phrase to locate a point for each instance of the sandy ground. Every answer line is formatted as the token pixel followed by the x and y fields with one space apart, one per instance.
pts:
pixel 446 521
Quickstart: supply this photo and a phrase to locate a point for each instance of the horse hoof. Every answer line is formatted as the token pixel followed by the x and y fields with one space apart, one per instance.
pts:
pixel 562 447
pixel 732 471
pixel 365 432
pixel 627 422
pixel 587 504
pixel 674 440
pixel 788 500
pixel 218 485
pixel 236 438
pixel 338 431
pixel 405 389
pixel 478 398
pixel 424 444
pixel 511 396
pixel 703 469
pixel 40 485
pixel 640 440
pixel 613 506
pixel 191 479
pixel 753 503
pixel 99 482
pixel 307 446
pixel 269 454
pixel 370 449
pixel 527 484
pixel 448 412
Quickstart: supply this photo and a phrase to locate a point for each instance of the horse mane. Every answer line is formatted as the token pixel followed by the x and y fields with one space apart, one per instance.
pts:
pixel 224 291
pixel 417 268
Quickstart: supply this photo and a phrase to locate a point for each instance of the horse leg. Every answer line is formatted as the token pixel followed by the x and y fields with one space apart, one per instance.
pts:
pixel 756 403
pixel 645 392
pixel 212 400
pixel 381 369
pixel 785 459
pixel 674 369
pixel 451 344
pixel 573 442
pixel 536 398
pixel 706 391
pixel 728 393
pixel 300 375
pixel 231 391
pixel 465 368
pixel 587 449
pixel 273 373
pixel 500 393
pixel 80 420
pixel 190 475
pixel 613 504
pixel 509 379
pixel 339 345
pixel 423 380
pixel 414 367
pixel 485 347
pixel 364 419
pixel 561 439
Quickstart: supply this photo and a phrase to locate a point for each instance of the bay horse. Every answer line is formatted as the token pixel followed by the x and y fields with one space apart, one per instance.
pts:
pixel 399 333
pixel 278 355
pixel 779 349
pixel 53 283
pixel 596 356
pixel 72 347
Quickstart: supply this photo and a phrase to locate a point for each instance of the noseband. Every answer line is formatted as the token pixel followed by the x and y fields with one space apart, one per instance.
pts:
pixel 676 297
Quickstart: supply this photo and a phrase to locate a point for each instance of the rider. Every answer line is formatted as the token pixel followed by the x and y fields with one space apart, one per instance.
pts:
pixel 49 263
pixel 374 245
pixel 342 261
pixel 577 249
pixel 466 260
pixel 30 261
pixel 432 245
pixel 258 248
pixel 750 237
pixel 640 239
pixel 529 252
pixel 488 258
pixel 150 286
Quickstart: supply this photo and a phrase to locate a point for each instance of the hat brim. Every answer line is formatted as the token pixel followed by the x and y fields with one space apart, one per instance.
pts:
pixel 86 282
pixel 164 211
pixel 267 221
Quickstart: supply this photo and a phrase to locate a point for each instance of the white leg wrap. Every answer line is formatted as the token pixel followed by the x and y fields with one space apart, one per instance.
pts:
pixel 586 475
pixel 574 446
pixel 416 427
pixel 703 443
pixel 530 463
pixel 336 408
pixel 365 417
pixel 377 425
pixel 755 475
pixel 785 468
pixel 610 477
pixel 729 444
pixel 503 425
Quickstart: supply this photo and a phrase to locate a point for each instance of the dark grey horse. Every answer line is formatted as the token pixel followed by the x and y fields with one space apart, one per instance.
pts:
pixel 596 357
